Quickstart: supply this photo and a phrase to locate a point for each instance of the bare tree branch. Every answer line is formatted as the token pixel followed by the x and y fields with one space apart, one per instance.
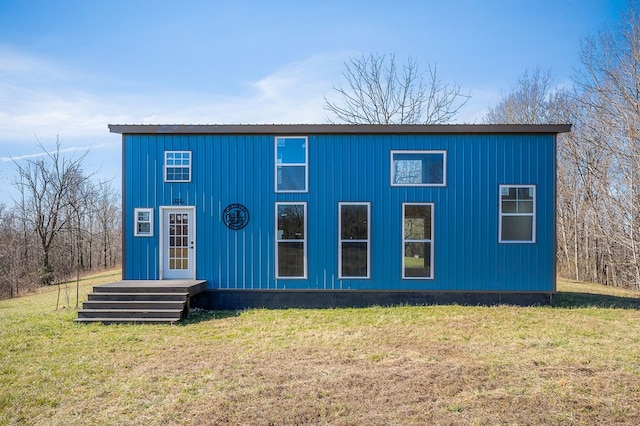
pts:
pixel 377 92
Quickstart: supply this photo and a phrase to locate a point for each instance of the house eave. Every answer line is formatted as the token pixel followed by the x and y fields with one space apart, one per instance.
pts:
pixel 306 129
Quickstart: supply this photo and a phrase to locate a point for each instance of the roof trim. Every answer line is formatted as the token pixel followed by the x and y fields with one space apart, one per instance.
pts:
pixel 305 129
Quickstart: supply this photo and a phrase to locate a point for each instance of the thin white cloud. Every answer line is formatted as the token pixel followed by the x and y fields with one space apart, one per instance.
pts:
pixel 293 93
pixel 17 65
pixel 82 149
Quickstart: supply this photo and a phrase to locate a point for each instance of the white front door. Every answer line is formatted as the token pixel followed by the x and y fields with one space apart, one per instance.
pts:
pixel 178 251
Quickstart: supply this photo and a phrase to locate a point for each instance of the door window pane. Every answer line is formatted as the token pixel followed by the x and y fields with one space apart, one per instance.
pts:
pixel 178 244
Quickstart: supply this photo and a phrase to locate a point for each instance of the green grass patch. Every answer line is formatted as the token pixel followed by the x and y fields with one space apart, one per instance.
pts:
pixel 575 363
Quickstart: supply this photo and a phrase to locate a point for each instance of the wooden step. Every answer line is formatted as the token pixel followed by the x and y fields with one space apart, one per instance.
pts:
pixel 134 304
pixel 109 320
pixel 192 287
pixel 139 289
pixel 159 297
pixel 131 313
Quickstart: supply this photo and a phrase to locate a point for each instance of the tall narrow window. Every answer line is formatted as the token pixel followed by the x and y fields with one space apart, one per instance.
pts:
pixel 143 222
pixel 417 241
pixel 517 214
pixel 291 240
pixel 291 164
pixel 177 166
pixel 354 236
pixel 418 168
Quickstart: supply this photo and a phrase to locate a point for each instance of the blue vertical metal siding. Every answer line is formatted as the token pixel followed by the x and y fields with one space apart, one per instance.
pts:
pixel 230 169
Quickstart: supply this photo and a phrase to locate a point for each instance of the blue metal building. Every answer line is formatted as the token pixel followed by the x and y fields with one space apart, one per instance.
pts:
pixel 329 215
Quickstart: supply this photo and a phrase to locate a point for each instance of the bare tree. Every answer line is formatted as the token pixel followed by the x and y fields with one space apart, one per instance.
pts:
pixel 108 222
pixel 60 222
pixel 9 257
pixel 532 101
pixel 45 185
pixel 380 92
pixel 609 83
pixel 81 204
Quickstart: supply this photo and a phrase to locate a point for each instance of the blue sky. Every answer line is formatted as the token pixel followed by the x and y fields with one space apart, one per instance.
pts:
pixel 70 67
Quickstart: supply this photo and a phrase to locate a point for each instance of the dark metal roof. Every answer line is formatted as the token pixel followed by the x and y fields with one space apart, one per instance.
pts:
pixel 305 129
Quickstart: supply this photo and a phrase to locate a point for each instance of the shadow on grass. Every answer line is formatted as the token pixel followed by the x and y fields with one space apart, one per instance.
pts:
pixel 567 299
pixel 201 315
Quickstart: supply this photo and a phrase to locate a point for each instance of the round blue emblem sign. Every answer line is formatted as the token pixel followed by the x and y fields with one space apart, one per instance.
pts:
pixel 235 216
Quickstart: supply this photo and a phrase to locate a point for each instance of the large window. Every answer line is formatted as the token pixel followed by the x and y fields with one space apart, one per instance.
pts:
pixel 417 241
pixel 517 214
pixel 177 166
pixel 291 240
pixel 291 164
pixel 143 226
pixel 418 168
pixel 354 235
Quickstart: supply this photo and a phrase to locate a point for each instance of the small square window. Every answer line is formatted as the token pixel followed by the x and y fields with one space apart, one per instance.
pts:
pixel 143 226
pixel 177 166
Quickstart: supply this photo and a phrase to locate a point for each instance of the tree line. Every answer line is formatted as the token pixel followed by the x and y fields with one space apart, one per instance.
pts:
pixel 598 186
pixel 63 223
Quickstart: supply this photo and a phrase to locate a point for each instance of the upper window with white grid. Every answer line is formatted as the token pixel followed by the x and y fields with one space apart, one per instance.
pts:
pixel 177 166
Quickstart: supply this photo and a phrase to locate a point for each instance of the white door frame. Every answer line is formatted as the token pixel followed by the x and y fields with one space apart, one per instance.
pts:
pixel 163 246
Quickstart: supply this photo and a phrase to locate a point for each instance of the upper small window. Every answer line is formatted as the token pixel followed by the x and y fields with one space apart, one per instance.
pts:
pixel 418 168
pixel 291 164
pixel 517 214
pixel 177 166
pixel 143 222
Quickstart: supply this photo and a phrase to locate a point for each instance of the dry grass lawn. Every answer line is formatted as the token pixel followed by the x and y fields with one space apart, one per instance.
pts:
pixel 575 363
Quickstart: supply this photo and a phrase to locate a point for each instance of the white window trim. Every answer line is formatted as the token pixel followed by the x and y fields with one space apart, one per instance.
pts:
pixel 167 166
pixel 431 241
pixel 305 164
pixel 136 222
pixel 402 151
pixel 533 215
pixel 368 240
pixel 304 240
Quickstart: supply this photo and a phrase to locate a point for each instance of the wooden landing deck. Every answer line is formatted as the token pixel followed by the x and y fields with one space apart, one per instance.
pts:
pixel 192 287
